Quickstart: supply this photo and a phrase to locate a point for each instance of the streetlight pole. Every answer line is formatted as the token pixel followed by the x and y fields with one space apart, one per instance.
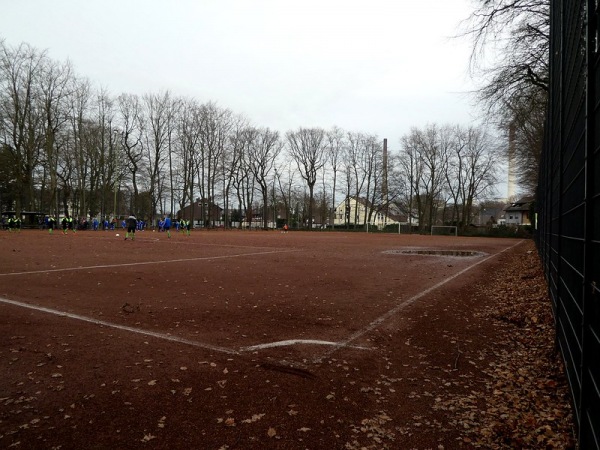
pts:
pixel 274 204
pixel 116 182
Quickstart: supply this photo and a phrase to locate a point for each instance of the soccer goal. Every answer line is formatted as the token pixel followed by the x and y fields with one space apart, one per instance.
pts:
pixel 444 230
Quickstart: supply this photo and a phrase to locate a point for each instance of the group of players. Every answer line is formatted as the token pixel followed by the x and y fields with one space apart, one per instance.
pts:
pixel 67 223
pixel 13 224
pixel 131 223
pixel 163 225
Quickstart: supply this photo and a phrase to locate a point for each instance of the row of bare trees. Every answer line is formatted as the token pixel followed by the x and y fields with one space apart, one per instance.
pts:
pixel 66 147
pixel 448 167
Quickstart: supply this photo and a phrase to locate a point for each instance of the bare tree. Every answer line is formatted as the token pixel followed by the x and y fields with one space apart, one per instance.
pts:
pixel 335 147
pixel 373 175
pixel 106 143
pixel 307 148
pixel 515 80
pixel 66 172
pixel 216 126
pixel 7 179
pixel 79 124
pixel 519 33
pixel 173 110
pixel 263 151
pixel 480 168
pixel 188 135
pixel 84 140
pixel 348 174
pixel 355 156
pixel 55 87
pixel 20 119
pixel 156 140
pixel 528 116
pixel 132 123
pixel 285 182
pixel 427 152
pixel 471 170
pixel 231 162
pixel 245 182
pixel 397 181
pixel 411 165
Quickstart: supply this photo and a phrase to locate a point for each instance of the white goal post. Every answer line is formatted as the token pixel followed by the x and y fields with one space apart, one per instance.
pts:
pixel 444 230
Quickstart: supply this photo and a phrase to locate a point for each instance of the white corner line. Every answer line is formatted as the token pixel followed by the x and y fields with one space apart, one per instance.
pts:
pixel 169 337
pixel 291 342
pixel 166 337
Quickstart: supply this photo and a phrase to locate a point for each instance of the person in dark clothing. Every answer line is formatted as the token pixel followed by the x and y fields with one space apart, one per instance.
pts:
pixel 51 224
pixel 67 224
pixel 71 224
pixel 131 226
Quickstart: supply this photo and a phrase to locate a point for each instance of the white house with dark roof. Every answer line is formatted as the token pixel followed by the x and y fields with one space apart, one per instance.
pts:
pixel 354 211
pixel 517 213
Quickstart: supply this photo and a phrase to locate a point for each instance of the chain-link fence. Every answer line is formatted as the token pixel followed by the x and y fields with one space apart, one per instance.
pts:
pixel 569 204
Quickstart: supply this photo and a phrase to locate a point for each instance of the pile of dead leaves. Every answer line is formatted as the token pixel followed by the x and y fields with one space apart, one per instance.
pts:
pixel 525 399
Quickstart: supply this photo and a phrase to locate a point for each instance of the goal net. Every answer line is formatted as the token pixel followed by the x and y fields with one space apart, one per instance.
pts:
pixel 444 230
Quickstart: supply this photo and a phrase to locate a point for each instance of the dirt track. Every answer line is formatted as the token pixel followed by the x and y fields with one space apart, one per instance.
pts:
pixel 211 341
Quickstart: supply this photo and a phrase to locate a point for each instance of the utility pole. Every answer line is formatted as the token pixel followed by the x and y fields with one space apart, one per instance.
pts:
pixel 384 186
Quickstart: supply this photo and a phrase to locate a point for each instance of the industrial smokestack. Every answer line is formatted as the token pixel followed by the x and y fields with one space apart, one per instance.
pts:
pixel 384 187
pixel 511 161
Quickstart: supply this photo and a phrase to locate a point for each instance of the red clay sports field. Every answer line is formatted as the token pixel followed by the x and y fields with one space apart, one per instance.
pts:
pixel 234 339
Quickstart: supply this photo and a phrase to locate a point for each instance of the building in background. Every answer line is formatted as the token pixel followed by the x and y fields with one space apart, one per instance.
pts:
pixel 519 212
pixel 356 211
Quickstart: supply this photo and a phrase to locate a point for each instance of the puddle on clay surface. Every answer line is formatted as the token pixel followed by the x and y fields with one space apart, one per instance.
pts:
pixel 433 252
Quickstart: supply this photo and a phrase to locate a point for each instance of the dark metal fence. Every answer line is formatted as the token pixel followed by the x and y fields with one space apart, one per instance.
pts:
pixel 569 204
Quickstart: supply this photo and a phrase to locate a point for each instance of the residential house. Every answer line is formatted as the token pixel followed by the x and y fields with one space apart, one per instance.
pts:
pixel 354 211
pixel 518 213
pixel 202 211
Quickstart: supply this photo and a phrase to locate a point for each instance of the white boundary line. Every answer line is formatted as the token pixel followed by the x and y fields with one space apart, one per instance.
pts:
pixel 293 342
pixel 169 337
pixel 375 323
pixel 163 336
pixel 145 263
pixel 174 241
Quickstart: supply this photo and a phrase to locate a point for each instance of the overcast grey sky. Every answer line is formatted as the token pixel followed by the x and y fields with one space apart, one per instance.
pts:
pixel 379 66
